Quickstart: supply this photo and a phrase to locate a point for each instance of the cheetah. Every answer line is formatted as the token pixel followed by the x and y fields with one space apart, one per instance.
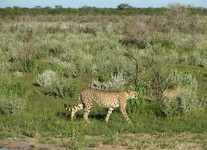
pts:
pixel 110 100
pixel 171 93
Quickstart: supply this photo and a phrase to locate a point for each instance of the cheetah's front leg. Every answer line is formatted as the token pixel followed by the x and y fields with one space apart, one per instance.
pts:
pixel 86 111
pixel 123 111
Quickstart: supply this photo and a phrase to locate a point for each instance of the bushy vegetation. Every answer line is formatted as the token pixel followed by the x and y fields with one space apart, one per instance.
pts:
pixel 122 9
pixel 46 60
pixel 181 96
pixel 12 105
pixel 46 78
pixel 68 87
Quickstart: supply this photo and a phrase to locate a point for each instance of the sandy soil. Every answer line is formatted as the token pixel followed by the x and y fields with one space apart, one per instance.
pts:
pixel 122 142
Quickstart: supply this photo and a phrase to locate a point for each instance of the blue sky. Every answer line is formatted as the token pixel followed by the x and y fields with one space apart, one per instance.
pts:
pixel 99 3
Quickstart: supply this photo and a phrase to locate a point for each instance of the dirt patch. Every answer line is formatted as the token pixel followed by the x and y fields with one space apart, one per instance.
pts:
pixel 121 142
pixel 31 143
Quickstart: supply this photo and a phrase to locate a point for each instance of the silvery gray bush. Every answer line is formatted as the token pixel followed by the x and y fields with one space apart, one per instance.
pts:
pixel 62 64
pixel 46 78
pixel 117 81
pixel 18 74
pixel 203 62
pixel 5 66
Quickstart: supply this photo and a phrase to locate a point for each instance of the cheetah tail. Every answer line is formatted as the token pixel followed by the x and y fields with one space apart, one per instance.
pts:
pixel 66 107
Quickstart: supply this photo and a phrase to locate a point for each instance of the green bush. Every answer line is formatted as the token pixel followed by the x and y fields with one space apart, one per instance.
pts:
pixel 16 88
pixel 12 105
pixel 29 65
pixel 10 86
pixel 139 104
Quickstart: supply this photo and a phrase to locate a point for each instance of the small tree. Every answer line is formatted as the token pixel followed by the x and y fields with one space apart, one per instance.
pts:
pixel 124 6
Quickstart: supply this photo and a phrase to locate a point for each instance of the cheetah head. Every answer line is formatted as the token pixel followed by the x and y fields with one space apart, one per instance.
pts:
pixel 132 94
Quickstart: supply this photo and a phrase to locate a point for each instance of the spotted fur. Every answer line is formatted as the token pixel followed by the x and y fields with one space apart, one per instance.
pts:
pixel 110 100
pixel 171 93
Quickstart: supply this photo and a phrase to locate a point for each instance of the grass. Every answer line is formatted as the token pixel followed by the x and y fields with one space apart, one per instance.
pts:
pixel 97 53
pixel 46 116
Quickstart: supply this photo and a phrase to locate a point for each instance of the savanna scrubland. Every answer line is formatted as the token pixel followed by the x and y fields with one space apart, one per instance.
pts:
pixel 47 58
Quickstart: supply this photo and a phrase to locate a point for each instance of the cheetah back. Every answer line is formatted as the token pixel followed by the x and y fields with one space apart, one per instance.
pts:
pixel 103 98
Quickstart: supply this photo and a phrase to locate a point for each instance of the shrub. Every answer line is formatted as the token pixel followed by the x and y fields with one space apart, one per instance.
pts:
pixel 179 18
pixel 193 58
pixel 117 82
pixel 62 64
pixel 46 78
pixel 197 57
pixel 18 74
pixel 29 65
pixel 136 33
pixel 66 87
pixel 203 62
pixel 182 103
pixel 5 78
pixel 42 53
pixel 180 98
pixel 89 30
pixel 11 86
pixel 12 105
pixel 27 49
pixel 5 66
pixel 51 47
pixel 16 88
pixel 14 56
pixel 180 79
pixel 79 62
pixel 175 92
pixel 159 80
pixel 139 105
pixel 172 57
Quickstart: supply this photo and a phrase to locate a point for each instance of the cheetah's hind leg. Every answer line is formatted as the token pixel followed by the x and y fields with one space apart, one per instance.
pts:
pixel 74 109
pixel 109 113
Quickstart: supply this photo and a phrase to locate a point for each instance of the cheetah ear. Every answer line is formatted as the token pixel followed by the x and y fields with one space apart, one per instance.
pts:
pixel 128 92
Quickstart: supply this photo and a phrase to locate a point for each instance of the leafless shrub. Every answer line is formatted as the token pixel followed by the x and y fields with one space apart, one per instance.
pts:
pixel 135 33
